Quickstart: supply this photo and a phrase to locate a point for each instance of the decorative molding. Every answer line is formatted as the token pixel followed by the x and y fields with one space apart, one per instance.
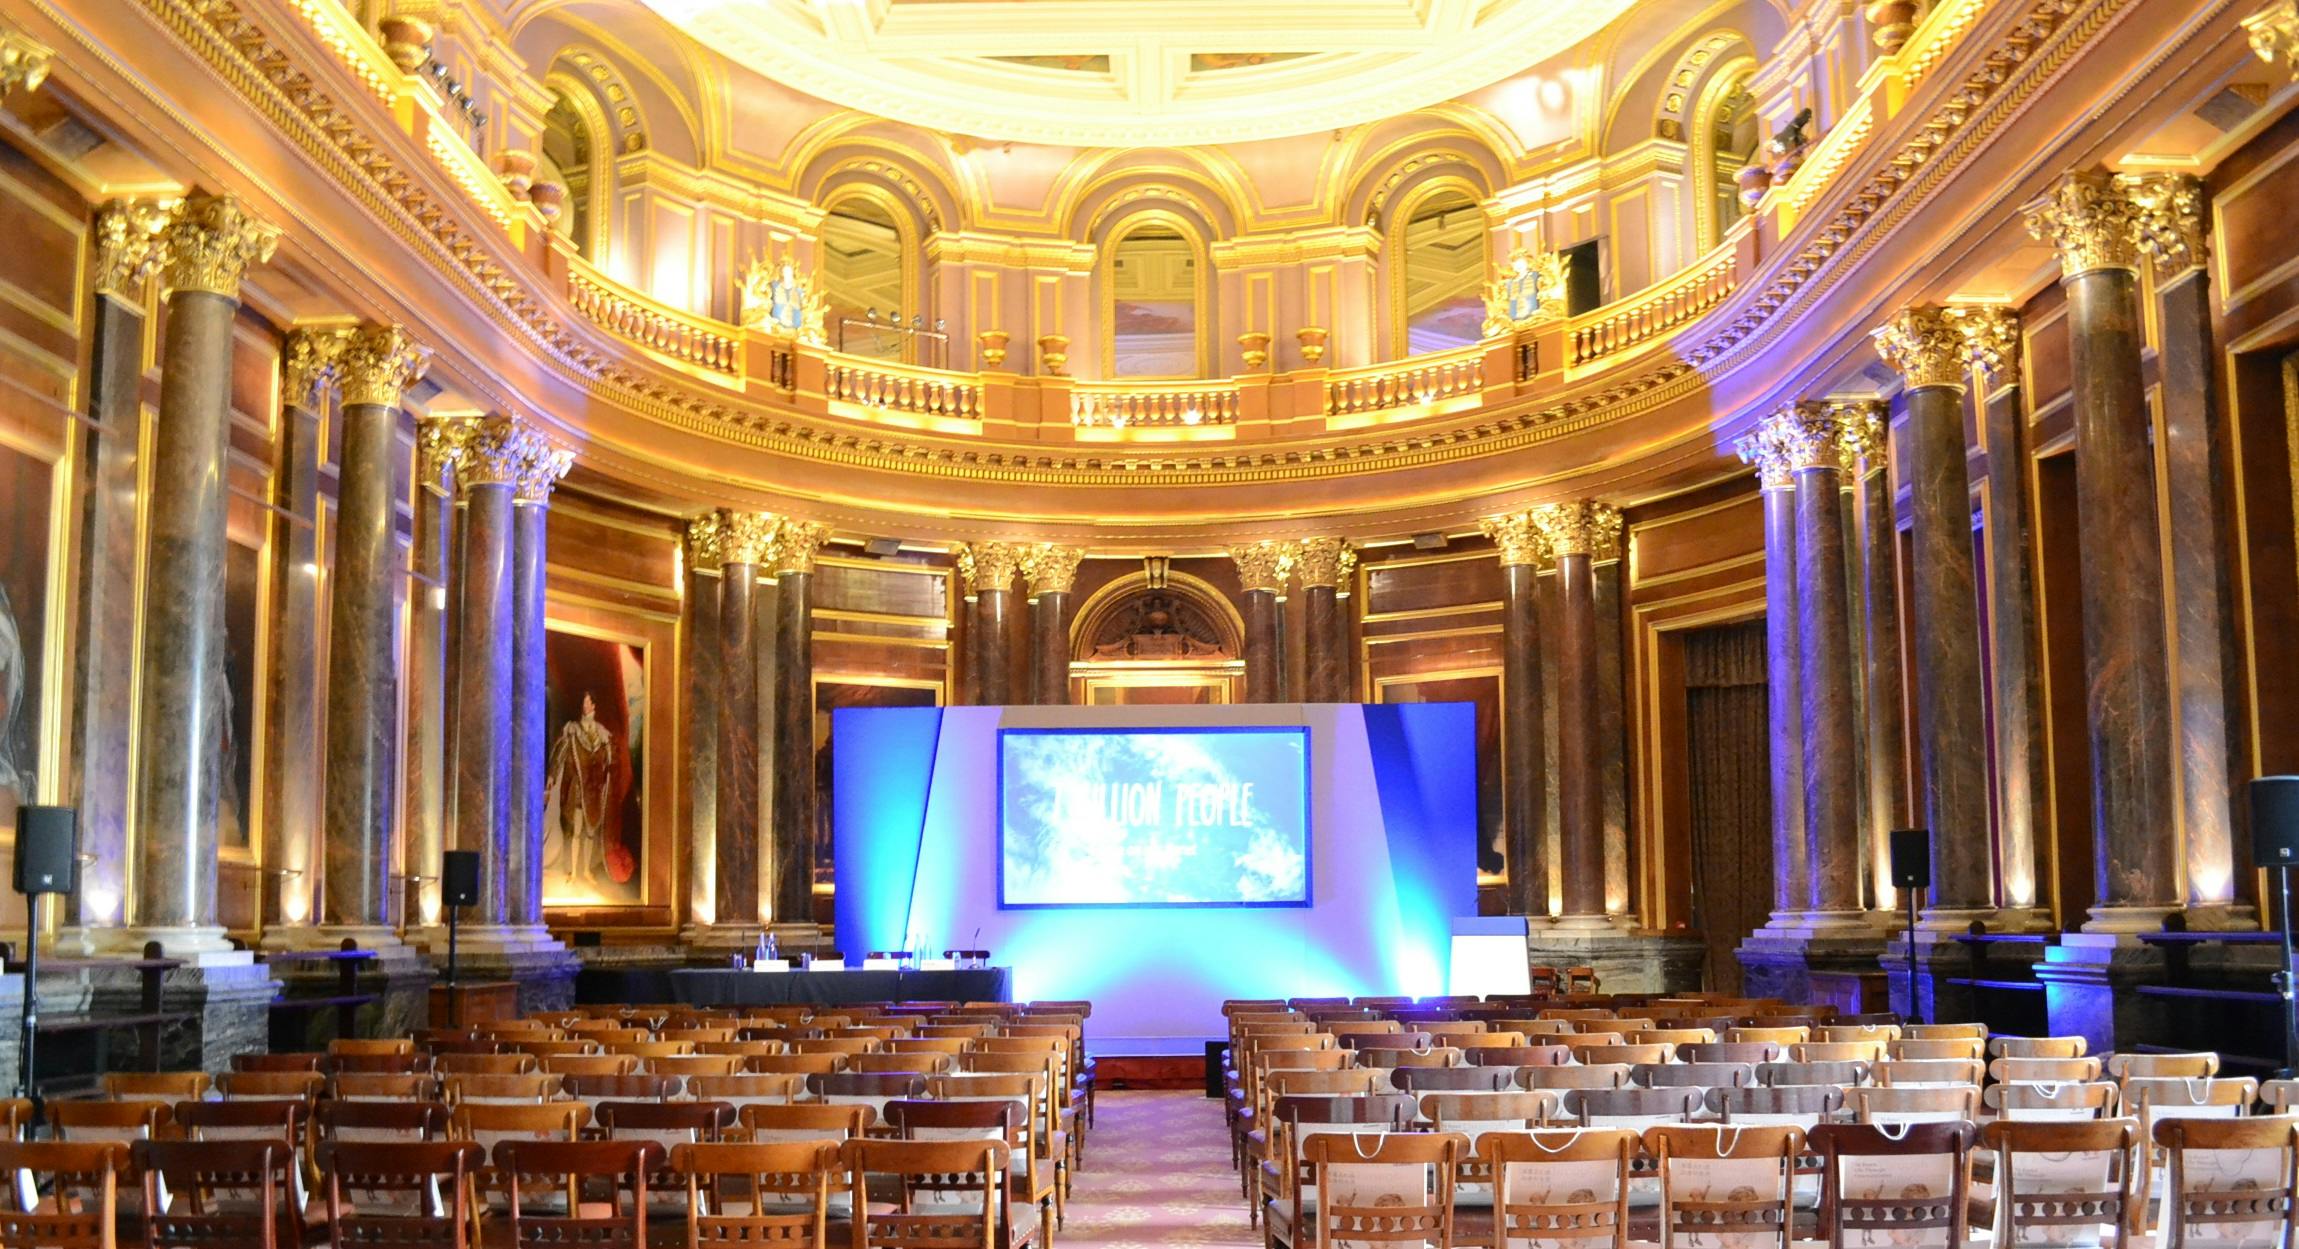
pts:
pixel 989 565
pixel 2092 219
pixel 23 63
pixel 1050 568
pixel 705 542
pixel 796 543
pixel 1322 561
pixel 1520 540
pixel 377 363
pixel 210 242
pixel 1771 447
pixel 1923 346
pixel 309 366
pixel 128 242
pixel 1991 340
pixel 745 537
pixel 2172 221
pixel 2274 33
pixel 1584 528
pixel 1263 565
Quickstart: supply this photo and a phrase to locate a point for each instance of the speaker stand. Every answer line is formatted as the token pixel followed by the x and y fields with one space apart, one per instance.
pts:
pixel 454 999
pixel 27 1087
pixel 1915 1014
pixel 2286 980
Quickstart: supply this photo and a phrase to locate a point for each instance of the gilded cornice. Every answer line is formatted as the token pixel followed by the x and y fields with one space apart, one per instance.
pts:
pixel 378 363
pixel 1520 540
pixel 989 565
pixel 309 365
pixel 23 63
pixel 1322 561
pixel 2171 221
pixel 1584 528
pixel 706 542
pixel 1050 568
pixel 438 449
pixel 1923 346
pixel 2274 33
pixel 2092 219
pixel 128 246
pixel 2033 50
pixel 1991 340
pixel 1263 565
pixel 211 241
pixel 1771 448
pixel 796 543
pixel 744 537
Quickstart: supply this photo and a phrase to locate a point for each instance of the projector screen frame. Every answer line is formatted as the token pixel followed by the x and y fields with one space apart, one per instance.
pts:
pixel 1297 730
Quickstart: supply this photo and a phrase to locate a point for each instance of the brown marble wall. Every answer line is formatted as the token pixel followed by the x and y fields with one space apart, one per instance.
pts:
pixel 103 687
pixel 181 706
pixel 1828 713
pixel 739 812
pixel 1580 798
pixel 482 703
pixel 2022 794
pixel 2124 647
pixel 1050 648
pixel 530 710
pixel 362 671
pixel 793 804
pixel 1791 879
pixel 993 654
pixel 1946 649
pixel 1264 652
pixel 1523 776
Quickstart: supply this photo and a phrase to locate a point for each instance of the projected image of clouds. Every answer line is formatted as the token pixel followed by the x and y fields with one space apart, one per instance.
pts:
pixel 1182 818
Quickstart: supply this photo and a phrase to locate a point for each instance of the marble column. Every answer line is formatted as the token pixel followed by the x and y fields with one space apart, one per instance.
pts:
pixel 375 365
pixel 1323 565
pixel 1828 716
pixel 2195 463
pixel 699 611
pixel 531 742
pixel 1577 535
pixel 1924 346
pixel 429 765
pixel 988 569
pixel 1049 572
pixel 2092 219
pixel 294 854
pixel 1769 449
pixel 1524 780
pixel 744 543
pixel 1261 570
pixel 1883 702
pixel 2015 652
pixel 210 243
pixel 126 242
pixel 795 546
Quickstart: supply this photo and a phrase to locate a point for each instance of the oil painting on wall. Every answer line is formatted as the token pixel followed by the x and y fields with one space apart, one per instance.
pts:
pixel 594 815
pixel 25 485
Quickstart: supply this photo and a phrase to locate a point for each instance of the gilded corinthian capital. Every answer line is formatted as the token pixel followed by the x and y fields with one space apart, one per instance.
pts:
pixel 2171 220
pixel 128 244
pixel 705 537
pixel 1923 346
pixel 1323 561
pixel 1584 528
pixel 2092 219
pixel 1048 568
pixel 796 543
pixel 505 451
pixel 744 537
pixel 210 243
pixel 1771 448
pixel 1991 339
pixel 1263 565
pixel 438 448
pixel 309 365
pixel 1860 432
pixel 2274 33
pixel 1519 539
pixel 989 565
pixel 379 363
pixel 23 63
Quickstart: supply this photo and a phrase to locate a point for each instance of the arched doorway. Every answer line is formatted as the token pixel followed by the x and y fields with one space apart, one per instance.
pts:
pixel 1176 642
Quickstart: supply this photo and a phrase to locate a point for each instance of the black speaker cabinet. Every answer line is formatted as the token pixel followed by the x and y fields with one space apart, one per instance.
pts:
pixel 459 878
pixel 1911 858
pixel 2275 821
pixel 47 850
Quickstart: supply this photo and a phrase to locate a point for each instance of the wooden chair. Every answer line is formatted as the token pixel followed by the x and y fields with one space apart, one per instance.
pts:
pixel 911 1063
pixel 2065 1183
pixel 1442 1056
pixel 1925 1185
pixel 688 1066
pixel 361 1087
pixel 1750 1052
pixel 110 1122
pixel 82 1183
pixel 1451 1079
pixel 1885 1032
pixel 484 1064
pixel 1947 1048
pixel 745 1089
pixel 362 1045
pixel 404 1194
pixel 580 1169
pixel 279 1063
pixel 169 1086
pixel 1567 1186
pixel 2045 1070
pixel 621 1088
pixel 1602 1076
pixel 225 1194
pixel 2046 1102
pixel 651 1049
pixel 1041 1169
pixel 1731 1185
pixel 1866 1052
pixel 590 1065
pixel 1633 1055
pixel 1794 1035
pixel 1916 1073
pixel 1519 1056
pixel 962 1184
pixel 377 1064
pixel 1400 1192
pixel 1896 1106
pixel 788 1189
pixel 1702 1076
pixel 521 1090
pixel 296 1086
pixel 1803 1106
pixel 1944 1031
pixel 369 1123
pixel 1632 1108
pixel 795 1064
pixel 1472 1115
pixel 768 1124
pixel 2200 1066
pixel 1275 1183
pixel 1843 1074
pixel 2038 1047
pixel 2245 1192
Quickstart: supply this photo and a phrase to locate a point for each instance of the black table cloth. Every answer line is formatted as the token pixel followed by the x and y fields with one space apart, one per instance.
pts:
pixel 716 987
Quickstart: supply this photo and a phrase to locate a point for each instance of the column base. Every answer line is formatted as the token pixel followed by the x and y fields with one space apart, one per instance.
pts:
pixel 1624 961
pixel 528 955
pixel 1815 957
pixel 2222 917
pixel 2088 980
pixel 399 977
pixel 197 946
pixel 230 1005
pixel 2129 919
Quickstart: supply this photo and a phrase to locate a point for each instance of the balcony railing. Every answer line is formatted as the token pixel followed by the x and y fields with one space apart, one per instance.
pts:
pixel 682 336
pixel 1429 379
pixel 1149 405
pixel 1656 312
pixel 902 388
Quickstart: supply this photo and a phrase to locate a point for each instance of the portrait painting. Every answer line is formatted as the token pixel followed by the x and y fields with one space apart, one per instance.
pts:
pixel 243 593
pixel 594 813
pixel 25 485
pixel 832 693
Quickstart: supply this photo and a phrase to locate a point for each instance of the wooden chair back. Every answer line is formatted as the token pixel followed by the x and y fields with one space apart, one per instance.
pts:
pixel 1725 1185
pixel 1399 1192
pixel 787 1189
pixel 405 1194
pixel 2250 1193
pixel 2080 1180
pixel 2045 1101
pixel 1925 1186
pixel 1566 1186
pixel 82 1183
pixel 578 1169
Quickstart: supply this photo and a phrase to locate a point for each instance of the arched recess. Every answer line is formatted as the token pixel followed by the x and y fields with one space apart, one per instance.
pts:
pixel 1179 642
pixel 1435 253
pixel 871 253
pixel 577 151
pixel 1157 309
pixel 1725 132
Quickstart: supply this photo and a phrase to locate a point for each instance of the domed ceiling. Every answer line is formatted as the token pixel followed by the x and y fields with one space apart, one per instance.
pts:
pixel 1132 73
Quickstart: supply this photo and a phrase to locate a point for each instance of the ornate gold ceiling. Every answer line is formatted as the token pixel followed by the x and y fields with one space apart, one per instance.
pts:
pixel 1112 73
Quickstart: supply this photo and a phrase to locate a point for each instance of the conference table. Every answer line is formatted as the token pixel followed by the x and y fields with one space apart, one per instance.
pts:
pixel 712 986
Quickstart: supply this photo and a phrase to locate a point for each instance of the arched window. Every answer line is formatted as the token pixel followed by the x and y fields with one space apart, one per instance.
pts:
pixel 1441 275
pixel 570 157
pixel 1724 143
pixel 1154 311
pixel 866 281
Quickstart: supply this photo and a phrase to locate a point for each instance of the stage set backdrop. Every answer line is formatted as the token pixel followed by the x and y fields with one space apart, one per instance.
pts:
pixel 1159 860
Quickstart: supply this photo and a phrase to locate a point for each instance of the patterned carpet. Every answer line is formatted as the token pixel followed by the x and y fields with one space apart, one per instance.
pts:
pixel 1157 1173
